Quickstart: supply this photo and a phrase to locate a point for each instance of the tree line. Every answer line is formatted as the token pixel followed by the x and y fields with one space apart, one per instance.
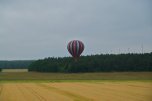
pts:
pixel 95 63
pixel 15 64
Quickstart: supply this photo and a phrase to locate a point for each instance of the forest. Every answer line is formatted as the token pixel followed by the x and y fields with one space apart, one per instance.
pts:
pixel 95 63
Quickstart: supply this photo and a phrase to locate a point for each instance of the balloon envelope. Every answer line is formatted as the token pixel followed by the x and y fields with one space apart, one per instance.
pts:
pixel 75 48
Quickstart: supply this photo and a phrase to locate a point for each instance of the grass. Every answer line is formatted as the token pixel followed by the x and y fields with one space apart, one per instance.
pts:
pixel 75 77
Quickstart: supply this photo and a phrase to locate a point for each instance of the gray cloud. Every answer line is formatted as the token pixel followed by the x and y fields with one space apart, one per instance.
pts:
pixel 32 29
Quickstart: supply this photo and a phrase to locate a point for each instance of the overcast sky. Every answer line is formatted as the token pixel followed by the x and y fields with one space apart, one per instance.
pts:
pixel 34 29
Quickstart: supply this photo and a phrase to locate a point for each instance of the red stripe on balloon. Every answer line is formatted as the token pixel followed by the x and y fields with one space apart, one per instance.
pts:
pixel 69 48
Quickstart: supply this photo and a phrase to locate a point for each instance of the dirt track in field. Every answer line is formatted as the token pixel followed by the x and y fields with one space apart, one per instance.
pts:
pixel 99 91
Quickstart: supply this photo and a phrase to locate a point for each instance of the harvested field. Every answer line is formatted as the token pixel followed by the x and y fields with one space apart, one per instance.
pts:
pixel 77 91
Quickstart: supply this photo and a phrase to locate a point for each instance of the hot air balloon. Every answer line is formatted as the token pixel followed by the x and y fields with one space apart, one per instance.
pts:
pixel 75 48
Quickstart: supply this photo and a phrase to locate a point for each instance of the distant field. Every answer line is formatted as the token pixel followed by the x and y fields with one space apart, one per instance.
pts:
pixel 14 70
pixel 34 76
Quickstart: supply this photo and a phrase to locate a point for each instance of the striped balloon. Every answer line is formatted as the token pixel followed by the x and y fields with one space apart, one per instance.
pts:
pixel 75 48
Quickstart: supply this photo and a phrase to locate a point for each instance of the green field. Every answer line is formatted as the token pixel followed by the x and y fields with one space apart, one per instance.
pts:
pixel 57 77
